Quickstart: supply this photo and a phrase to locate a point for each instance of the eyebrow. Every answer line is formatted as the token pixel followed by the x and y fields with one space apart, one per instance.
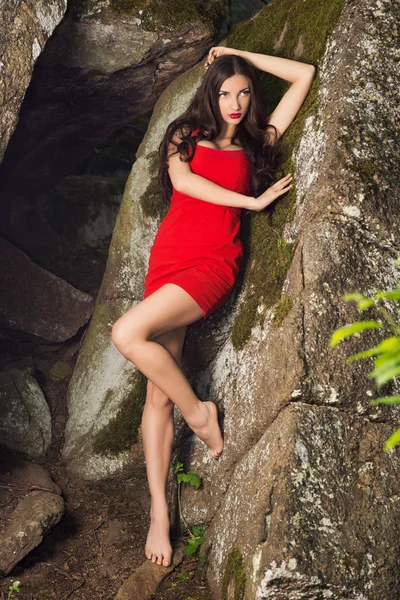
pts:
pixel 246 88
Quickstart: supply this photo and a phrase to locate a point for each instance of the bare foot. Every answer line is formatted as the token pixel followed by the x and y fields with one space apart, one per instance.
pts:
pixel 210 432
pixel 158 548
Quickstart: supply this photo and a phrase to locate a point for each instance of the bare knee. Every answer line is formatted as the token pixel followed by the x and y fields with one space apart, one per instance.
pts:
pixel 124 336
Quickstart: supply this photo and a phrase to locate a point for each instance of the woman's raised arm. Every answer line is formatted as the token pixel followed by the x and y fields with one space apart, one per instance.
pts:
pixel 300 75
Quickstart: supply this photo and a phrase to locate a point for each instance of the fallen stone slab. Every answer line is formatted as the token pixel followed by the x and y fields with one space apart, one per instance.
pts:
pixel 32 519
pixel 36 302
pixel 31 475
pixel 25 419
pixel 144 582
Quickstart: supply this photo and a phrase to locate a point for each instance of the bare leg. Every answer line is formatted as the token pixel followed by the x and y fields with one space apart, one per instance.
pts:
pixel 167 309
pixel 158 438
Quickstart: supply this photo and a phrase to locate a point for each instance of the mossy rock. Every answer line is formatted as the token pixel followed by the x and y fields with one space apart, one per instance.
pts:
pixel 282 309
pixel 234 579
pixel 267 255
pixel 172 15
pixel 121 432
pixel 124 6
pixel 151 201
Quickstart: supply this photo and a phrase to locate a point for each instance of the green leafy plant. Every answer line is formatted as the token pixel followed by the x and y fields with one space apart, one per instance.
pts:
pixel 196 535
pixel 13 587
pixel 386 353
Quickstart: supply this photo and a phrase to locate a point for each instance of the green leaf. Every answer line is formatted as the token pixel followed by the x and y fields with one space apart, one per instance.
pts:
pixel 177 466
pixel 387 357
pixel 190 550
pixel 198 529
pixel 364 354
pixel 348 330
pixel 194 480
pixel 387 345
pixel 354 296
pixel 390 295
pixel 390 343
pixel 392 441
pixel 193 542
pixel 363 301
pixel 385 372
pixel 386 400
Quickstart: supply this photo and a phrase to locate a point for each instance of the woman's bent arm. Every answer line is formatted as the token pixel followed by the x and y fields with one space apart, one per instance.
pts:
pixel 285 68
pixel 201 188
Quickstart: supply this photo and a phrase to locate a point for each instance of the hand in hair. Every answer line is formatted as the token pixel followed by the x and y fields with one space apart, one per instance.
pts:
pixel 217 51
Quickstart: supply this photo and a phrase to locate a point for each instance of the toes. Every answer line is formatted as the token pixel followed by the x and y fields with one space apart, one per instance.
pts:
pixel 166 562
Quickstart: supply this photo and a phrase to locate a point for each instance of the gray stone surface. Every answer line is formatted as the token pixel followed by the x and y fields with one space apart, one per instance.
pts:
pixel 36 302
pixel 25 420
pixel 24 30
pixel 33 518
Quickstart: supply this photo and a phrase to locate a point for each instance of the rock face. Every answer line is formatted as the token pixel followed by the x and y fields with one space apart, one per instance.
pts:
pixel 36 302
pixel 303 502
pixel 25 28
pixel 25 420
pixel 34 515
pixel 107 65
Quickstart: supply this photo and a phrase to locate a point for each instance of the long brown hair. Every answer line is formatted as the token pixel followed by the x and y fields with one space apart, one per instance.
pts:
pixel 264 154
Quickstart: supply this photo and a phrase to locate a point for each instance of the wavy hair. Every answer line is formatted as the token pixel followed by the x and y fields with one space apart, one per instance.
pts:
pixel 253 132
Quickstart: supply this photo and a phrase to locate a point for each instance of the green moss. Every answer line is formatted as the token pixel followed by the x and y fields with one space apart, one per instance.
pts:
pixel 234 578
pixel 121 6
pixel 283 307
pixel 267 256
pixel 122 430
pixel 214 13
pixel 169 15
pixel 151 200
pixel 365 167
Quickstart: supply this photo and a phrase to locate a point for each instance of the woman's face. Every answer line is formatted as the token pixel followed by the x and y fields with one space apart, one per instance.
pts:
pixel 234 97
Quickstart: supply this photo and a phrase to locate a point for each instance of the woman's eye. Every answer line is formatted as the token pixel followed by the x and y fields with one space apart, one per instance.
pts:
pixel 246 92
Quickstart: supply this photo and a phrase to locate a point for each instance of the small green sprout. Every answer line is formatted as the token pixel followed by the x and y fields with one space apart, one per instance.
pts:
pixel 13 587
pixel 196 536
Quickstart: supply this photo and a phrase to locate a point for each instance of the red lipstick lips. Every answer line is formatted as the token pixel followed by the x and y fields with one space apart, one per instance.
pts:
pixel 235 115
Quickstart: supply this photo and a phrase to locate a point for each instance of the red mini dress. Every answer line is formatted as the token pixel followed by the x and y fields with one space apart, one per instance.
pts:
pixel 198 245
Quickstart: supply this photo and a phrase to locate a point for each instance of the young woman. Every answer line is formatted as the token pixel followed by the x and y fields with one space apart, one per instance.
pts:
pixel 219 157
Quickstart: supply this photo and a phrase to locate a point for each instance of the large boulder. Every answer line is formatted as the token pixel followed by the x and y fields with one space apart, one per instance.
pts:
pixel 107 64
pixel 37 303
pixel 25 419
pixel 302 501
pixel 25 28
